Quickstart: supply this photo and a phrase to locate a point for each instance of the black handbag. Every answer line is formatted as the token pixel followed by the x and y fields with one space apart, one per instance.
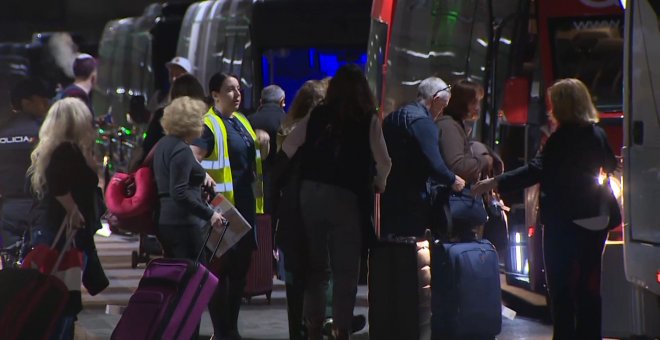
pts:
pixel 609 216
pixel 467 210
pixel 611 205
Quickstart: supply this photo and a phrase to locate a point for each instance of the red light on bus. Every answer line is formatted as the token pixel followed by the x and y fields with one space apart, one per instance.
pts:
pixel 531 231
pixel 657 276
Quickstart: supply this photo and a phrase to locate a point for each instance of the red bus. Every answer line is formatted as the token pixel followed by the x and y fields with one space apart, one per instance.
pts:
pixel 516 49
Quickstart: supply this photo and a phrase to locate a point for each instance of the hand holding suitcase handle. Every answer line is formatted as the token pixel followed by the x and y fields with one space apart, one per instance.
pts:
pixel 225 223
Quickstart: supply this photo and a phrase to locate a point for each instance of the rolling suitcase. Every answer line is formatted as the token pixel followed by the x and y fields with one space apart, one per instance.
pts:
pixel 32 300
pixel 31 303
pixel 169 300
pixel 466 292
pixel 260 274
pixel 399 289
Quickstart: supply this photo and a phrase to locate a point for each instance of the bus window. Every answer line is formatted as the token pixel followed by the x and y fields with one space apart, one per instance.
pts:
pixel 290 68
pixel 592 51
pixel 443 38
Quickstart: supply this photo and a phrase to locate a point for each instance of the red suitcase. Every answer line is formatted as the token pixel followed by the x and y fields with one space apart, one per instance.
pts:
pixel 31 304
pixel 260 274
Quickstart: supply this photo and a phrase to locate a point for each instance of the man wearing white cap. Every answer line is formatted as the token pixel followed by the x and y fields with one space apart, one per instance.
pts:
pixel 177 67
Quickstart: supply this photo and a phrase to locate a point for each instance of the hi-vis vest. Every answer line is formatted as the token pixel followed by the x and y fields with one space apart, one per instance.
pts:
pixel 217 164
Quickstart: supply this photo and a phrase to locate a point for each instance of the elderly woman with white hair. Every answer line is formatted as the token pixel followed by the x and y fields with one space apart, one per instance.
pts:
pixel 179 178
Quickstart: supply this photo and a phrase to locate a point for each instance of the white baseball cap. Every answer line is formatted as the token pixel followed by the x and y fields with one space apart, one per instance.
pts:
pixel 181 62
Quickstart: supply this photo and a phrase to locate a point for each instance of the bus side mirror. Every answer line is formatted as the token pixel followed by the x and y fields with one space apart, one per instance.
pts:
pixel 515 103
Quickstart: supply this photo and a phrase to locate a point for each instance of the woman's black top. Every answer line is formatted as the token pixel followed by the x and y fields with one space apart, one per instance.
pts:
pixel 338 154
pixel 68 172
pixel 179 178
pixel 567 169
pixel 154 133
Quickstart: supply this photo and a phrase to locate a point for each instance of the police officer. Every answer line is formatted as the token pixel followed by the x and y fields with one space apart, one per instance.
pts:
pixel 19 132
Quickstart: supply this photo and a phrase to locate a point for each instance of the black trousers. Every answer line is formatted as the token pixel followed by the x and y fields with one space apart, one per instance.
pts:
pixel 231 269
pixel 180 241
pixel 572 257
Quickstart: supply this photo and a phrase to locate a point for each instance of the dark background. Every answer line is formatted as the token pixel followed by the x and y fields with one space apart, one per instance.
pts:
pixel 20 18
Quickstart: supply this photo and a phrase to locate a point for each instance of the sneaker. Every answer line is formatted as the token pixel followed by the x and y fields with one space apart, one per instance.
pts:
pixel 357 324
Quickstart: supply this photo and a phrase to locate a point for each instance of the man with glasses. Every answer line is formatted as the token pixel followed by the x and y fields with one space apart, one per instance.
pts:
pixel 412 141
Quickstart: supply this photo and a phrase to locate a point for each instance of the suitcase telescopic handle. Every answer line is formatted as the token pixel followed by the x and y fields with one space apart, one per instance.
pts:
pixel 225 224
pixel 67 246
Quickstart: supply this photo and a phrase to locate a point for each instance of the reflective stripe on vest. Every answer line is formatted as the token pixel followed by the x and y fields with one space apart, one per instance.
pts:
pixel 258 184
pixel 217 163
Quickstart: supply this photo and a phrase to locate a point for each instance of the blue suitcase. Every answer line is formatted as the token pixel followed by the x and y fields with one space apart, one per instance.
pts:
pixel 466 292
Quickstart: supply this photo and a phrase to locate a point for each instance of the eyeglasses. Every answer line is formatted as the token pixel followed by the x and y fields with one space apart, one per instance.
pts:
pixel 448 88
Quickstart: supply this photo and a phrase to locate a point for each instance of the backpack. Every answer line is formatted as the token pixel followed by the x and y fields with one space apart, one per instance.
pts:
pixel 132 198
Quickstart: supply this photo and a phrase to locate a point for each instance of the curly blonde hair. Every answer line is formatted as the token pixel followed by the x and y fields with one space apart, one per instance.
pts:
pixel 572 103
pixel 68 120
pixel 184 117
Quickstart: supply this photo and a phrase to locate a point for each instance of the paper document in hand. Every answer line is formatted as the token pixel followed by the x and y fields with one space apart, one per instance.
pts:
pixel 237 228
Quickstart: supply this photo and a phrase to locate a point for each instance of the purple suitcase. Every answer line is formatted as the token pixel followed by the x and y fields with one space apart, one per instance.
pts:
pixel 169 301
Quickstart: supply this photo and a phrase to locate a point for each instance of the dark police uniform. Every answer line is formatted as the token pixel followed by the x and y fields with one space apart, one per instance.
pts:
pixel 17 140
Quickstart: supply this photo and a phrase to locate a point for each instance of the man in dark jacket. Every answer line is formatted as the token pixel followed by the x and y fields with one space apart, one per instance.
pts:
pixel 84 70
pixel 19 134
pixel 268 118
pixel 412 141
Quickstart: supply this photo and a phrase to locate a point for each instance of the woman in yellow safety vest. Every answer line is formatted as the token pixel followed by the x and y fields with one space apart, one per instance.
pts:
pixel 230 151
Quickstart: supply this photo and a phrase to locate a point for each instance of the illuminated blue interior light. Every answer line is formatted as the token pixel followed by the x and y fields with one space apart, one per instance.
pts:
pixel 291 69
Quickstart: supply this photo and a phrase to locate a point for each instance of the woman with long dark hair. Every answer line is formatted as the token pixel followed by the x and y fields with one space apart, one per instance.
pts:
pixel 344 159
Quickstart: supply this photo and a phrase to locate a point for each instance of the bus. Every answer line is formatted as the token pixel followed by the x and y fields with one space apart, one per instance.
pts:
pixel 631 268
pixel 516 50
pixel 129 66
pixel 283 42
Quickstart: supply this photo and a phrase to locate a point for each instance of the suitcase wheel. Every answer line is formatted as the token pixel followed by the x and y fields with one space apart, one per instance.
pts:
pixel 268 294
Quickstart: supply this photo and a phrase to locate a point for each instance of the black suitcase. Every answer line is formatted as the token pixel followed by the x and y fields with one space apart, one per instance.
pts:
pixel 399 289
pixel 467 297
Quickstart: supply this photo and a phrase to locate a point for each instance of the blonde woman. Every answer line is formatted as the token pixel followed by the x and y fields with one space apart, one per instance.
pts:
pixel 63 175
pixel 310 94
pixel 179 178
pixel 568 169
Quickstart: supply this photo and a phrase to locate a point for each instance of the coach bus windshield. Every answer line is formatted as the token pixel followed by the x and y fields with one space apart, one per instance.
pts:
pixel 591 50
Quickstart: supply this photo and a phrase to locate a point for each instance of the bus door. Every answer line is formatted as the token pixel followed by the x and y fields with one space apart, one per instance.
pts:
pixel 642 152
